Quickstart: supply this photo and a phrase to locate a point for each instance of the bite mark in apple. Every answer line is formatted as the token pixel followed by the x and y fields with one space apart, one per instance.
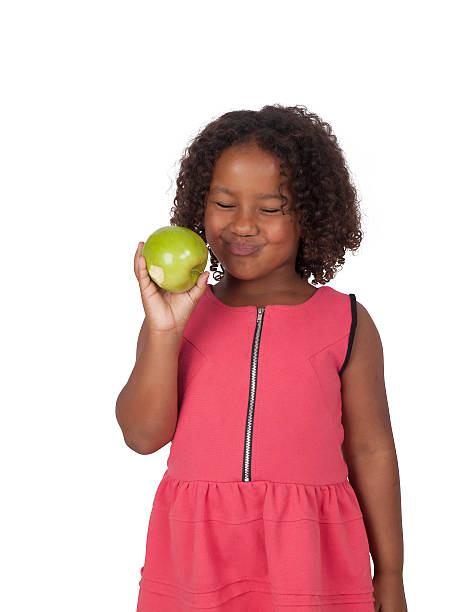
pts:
pixel 156 273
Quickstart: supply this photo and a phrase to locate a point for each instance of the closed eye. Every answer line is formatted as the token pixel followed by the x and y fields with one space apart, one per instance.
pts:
pixel 263 209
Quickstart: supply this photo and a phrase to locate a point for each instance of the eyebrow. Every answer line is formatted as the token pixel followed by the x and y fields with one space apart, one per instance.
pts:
pixel 263 196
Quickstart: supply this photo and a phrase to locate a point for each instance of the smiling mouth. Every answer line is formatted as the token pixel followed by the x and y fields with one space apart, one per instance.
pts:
pixel 237 250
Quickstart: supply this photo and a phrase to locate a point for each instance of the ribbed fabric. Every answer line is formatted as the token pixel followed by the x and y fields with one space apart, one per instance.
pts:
pixel 257 513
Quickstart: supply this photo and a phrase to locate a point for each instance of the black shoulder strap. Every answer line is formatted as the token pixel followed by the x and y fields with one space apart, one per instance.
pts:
pixel 351 332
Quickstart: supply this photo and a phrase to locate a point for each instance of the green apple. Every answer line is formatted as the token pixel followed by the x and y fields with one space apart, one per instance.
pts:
pixel 175 257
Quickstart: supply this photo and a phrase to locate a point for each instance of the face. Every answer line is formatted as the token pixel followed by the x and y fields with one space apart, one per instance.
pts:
pixel 243 205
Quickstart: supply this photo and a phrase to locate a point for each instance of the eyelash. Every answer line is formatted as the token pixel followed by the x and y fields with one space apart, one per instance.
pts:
pixel 264 210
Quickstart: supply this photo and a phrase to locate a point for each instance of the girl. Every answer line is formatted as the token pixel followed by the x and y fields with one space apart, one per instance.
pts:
pixel 282 476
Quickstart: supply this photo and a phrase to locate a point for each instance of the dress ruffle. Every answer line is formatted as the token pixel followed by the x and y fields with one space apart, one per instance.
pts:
pixel 258 545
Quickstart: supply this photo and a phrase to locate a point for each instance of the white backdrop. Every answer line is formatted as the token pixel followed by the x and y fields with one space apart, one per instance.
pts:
pixel 99 100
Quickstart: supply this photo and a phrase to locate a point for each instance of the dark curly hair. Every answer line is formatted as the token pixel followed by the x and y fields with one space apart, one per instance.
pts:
pixel 320 181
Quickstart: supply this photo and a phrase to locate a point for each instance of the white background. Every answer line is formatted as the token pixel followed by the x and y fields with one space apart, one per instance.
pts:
pixel 99 100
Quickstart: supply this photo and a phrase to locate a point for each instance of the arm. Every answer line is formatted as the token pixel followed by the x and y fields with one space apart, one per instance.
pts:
pixel 370 454
pixel 146 408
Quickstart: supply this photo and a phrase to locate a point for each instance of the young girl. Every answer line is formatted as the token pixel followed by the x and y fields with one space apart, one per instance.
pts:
pixel 282 476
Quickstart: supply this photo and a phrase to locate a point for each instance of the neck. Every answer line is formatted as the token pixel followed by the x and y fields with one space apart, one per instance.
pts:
pixel 255 288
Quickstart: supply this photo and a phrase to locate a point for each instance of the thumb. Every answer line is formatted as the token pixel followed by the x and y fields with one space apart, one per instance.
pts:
pixel 202 280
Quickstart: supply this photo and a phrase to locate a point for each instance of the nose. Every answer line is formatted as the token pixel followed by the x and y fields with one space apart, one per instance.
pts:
pixel 243 222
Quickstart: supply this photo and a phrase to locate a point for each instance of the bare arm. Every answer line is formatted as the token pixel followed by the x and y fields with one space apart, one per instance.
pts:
pixel 146 408
pixel 369 448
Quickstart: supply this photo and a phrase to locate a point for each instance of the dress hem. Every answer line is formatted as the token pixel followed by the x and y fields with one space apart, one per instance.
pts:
pixel 222 594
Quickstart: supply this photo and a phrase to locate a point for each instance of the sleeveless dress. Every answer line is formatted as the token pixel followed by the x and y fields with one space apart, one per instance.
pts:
pixel 254 511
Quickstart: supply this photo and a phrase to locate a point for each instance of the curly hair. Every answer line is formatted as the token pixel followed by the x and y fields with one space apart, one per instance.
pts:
pixel 319 180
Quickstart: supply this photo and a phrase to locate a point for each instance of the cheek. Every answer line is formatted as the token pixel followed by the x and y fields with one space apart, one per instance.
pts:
pixel 281 233
pixel 211 228
pixel 209 224
pixel 207 217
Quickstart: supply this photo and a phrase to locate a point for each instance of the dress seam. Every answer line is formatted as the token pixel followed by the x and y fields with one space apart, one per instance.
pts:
pixel 328 346
pixel 195 347
pixel 244 579
pixel 258 518
pixel 330 484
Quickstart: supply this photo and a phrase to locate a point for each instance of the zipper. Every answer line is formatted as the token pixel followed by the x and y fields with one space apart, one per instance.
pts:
pixel 246 465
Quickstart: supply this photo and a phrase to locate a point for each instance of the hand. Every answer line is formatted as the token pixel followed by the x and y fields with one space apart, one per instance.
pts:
pixel 389 593
pixel 164 310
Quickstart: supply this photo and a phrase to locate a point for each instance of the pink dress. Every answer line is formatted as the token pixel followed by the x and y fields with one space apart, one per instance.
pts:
pixel 254 511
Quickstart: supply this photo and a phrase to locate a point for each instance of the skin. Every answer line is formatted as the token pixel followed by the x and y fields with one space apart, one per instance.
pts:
pixel 370 454
pixel 269 277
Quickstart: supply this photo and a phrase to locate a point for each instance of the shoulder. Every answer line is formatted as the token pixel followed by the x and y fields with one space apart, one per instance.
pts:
pixel 366 333
pixel 366 354
pixel 363 330
pixel 363 342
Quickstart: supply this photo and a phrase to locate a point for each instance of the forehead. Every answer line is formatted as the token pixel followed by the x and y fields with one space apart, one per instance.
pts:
pixel 248 168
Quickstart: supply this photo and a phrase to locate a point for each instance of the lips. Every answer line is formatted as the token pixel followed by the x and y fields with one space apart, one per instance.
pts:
pixel 239 249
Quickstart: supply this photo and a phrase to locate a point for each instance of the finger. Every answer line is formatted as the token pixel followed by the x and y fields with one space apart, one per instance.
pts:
pixel 142 265
pixel 144 277
pixel 202 280
pixel 145 280
pixel 139 259
pixel 136 258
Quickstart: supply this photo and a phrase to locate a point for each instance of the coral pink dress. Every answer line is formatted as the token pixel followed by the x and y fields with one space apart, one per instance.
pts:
pixel 254 511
